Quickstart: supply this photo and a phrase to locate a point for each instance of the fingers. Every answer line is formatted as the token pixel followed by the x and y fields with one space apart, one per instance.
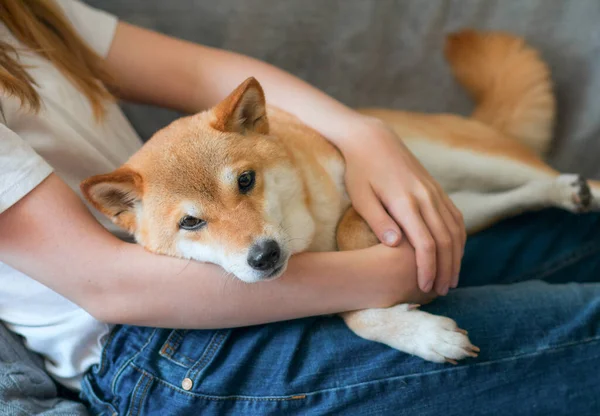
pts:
pixel 458 218
pixel 408 215
pixel 435 198
pixel 458 230
pixel 434 227
pixel 456 235
pixel 432 224
pixel 373 212
pixel 437 218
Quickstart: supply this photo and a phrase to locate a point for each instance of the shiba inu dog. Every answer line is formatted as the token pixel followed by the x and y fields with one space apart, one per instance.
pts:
pixel 246 186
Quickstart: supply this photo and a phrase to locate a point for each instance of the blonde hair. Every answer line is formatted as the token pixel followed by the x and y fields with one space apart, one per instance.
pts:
pixel 41 26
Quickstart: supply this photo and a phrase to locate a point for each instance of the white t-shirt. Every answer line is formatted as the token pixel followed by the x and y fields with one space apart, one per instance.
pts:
pixel 65 138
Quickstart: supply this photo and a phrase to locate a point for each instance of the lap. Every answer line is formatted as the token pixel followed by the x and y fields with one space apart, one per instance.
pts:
pixel 540 350
pixel 540 346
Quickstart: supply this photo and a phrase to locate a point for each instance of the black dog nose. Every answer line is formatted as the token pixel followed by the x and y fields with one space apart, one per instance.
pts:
pixel 264 255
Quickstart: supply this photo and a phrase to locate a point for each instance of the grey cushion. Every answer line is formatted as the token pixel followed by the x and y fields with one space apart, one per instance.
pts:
pixel 25 388
pixel 388 53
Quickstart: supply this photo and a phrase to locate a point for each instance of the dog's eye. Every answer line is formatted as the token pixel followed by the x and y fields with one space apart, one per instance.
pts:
pixel 191 223
pixel 246 181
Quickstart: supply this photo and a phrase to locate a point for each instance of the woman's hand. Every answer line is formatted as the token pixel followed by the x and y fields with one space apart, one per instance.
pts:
pixel 392 191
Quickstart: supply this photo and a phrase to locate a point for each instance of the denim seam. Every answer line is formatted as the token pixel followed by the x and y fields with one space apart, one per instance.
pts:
pixel 557 264
pixel 136 399
pixel 300 396
pixel 92 395
pixel 215 344
pixel 103 357
pixel 134 396
pixel 129 361
pixel 168 350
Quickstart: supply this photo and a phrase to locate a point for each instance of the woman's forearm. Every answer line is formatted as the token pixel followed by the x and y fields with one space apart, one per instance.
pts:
pixel 122 283
pixel 194 77
pixel 195 295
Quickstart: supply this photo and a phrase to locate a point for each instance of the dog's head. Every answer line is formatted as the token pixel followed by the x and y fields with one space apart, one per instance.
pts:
pixel 213 187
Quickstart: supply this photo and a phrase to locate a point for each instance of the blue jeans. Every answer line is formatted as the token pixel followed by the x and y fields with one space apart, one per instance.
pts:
pixel 529 297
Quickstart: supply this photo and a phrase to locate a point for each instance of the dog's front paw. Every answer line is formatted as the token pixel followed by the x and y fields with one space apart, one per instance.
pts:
pixel 405 328
pixel 436 338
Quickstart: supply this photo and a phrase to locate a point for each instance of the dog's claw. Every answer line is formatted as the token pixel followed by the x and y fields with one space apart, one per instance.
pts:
pixel 451 361
pixel 413 306
pixel 583 197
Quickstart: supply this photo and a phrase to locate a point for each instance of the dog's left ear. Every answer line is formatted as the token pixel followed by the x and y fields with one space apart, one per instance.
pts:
pixel 243 111
pixel 115 195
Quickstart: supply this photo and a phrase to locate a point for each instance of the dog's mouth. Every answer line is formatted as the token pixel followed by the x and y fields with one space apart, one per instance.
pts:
pixel 276 272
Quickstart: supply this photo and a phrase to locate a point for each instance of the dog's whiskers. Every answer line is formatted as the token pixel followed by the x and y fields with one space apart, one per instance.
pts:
pixel 289 240
pixel 227 277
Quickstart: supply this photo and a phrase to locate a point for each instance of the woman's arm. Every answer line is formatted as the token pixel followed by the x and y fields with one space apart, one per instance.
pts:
pixel 388 188
pixel 51 236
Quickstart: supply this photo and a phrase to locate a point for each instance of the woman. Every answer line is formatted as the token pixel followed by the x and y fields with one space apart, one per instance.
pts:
pixel 65 280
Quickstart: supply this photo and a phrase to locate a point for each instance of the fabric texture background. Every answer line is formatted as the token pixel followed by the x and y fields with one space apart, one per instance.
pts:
pixel 25 388
pixel 389 52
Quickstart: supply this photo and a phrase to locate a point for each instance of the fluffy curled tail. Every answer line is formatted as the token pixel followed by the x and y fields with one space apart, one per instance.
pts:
pixel 509 82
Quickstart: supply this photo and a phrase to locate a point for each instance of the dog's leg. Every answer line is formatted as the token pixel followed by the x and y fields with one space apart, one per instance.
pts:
pixel 407 329
pixel 403 327
pixel 480 210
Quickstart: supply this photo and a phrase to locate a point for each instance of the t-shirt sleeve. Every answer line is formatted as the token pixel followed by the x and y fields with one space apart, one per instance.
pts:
pixel 21 168
pixel 96 27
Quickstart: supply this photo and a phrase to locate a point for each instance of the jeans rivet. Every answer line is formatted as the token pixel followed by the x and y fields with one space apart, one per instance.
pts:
pixel 187 384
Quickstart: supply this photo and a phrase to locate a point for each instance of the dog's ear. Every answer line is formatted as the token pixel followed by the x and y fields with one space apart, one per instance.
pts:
pixel 243 111
pixel 115 195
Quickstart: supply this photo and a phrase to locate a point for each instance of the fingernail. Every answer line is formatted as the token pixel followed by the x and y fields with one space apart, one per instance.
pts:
pixel 428 286
pixel 444 291
pixel 390 237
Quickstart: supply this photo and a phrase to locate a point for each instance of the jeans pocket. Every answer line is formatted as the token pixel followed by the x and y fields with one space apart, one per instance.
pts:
pixel 192 348
pixel 189 353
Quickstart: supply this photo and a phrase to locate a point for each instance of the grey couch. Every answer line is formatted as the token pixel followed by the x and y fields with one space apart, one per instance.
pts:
pixel 365 53
pixel 388 52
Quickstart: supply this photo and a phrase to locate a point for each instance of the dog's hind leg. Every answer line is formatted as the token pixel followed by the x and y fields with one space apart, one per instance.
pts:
pixel 480 210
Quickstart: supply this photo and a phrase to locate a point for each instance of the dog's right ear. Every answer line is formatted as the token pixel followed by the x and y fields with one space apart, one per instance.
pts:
pixel 243 111
pixel 115 195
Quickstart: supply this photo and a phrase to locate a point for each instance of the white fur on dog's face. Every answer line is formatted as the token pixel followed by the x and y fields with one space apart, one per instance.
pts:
pixel 287 221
